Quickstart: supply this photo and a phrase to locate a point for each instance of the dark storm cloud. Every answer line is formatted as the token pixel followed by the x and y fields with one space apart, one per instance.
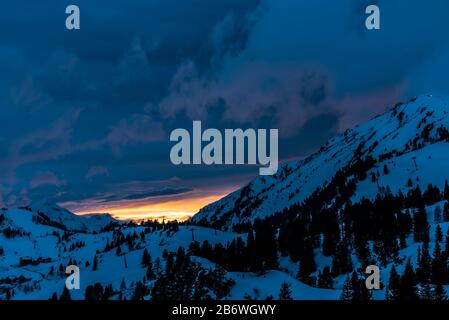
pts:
pixel 68 94
pixel 87 111
pixel 308 58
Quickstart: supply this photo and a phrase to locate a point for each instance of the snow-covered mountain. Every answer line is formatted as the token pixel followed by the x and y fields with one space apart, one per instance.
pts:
pixel 62 216
pixel 35 253
pixel 410 141
pixel 309 255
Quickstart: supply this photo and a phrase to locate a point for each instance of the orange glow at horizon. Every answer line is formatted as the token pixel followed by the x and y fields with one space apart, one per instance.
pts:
pixel 179 209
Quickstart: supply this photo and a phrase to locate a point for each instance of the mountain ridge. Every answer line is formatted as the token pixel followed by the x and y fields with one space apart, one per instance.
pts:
pixel 409 134
pixel 52 214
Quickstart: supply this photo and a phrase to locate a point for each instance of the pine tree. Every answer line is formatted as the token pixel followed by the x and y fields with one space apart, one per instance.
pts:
pixel 393 285
pixel 407 284
pixel 200 291
pixel 285 293
pixel 362 249
pixel 8 294
pixel 354 289
pixel 437 215
pixel 170 264
pixel 122 285
pixel 341 262
pixel 438 234
pixel 361 292
pixel 146 258
pixel 108 292
pixel 157 265
pixel 432 194
pixel 265 247
pixel 446 212
pixel 221 285
pixel 250 250
pixel 347 292
pixel 150 272
pixel 426 292
pixel 331 235
pixel 446 246
pixel 439 267
pixel 420 225
pixel 307 263
pixel 446 191
pixel 424 264
pixel 95 263
pixel 140 291
pixel 180 259
pixel 94 292
pixel 107 247
pixel 325 279
pixel 65 295
pixel 440 293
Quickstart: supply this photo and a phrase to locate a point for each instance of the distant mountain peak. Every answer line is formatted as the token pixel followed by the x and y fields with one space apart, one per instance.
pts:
pixel 58 215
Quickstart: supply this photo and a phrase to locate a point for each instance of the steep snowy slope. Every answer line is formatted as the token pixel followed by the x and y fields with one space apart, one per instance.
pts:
pixel 408 142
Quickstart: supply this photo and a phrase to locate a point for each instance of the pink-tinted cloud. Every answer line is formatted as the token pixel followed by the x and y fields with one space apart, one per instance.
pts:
pixel 250 93
pixel 46 178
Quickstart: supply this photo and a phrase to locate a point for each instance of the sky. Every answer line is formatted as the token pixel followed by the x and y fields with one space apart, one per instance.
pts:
pixel 87 114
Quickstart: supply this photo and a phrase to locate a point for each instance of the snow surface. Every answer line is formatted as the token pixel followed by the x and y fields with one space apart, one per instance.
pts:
pixel 41 242
pixel 389 133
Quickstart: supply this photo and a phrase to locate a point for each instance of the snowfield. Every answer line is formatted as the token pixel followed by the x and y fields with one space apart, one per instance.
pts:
pixel 41 242
pixel 409 145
